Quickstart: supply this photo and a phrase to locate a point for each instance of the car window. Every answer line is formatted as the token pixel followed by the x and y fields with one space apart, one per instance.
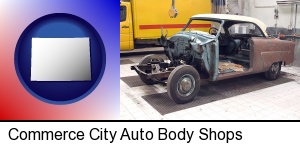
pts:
pixel 122 13
pixel 244 28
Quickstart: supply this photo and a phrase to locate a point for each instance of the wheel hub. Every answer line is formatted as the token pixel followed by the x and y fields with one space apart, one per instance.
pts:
pixel 275 68
pixel 186 85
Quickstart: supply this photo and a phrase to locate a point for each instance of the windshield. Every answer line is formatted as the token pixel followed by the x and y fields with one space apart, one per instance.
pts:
pixel 198 25
pixel 204 27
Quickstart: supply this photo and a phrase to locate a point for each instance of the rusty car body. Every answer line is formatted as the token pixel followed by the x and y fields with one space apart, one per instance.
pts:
pixel 234 46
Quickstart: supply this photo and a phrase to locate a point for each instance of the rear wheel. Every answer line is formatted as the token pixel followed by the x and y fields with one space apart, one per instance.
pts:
pixel 145 60
pixel 273 72
pixel 183 84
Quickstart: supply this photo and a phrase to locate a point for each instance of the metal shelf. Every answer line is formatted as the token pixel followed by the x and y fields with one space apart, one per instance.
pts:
pixel 289 2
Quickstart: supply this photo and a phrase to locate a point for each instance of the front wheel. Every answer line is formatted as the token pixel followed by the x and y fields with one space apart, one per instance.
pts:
pixel 183 84
pixel 273 72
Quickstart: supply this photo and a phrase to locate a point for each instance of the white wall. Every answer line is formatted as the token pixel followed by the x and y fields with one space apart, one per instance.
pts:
pixel 264 10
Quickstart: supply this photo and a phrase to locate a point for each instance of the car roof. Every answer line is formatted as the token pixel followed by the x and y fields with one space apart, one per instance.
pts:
pixel 228 17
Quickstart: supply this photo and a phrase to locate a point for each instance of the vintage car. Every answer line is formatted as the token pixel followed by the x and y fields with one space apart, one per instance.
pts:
pixel 234 46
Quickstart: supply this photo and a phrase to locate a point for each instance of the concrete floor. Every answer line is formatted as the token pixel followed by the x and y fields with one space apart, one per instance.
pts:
pixel 276 102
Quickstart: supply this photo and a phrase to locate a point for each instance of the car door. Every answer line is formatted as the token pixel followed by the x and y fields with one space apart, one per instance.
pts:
pixel 124 28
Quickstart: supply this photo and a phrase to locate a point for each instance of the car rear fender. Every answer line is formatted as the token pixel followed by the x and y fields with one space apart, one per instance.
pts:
pixel 270 50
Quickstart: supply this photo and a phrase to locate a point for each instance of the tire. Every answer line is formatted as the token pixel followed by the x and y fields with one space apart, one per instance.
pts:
pixel 183 74
pixel 145 60
pixel 273 72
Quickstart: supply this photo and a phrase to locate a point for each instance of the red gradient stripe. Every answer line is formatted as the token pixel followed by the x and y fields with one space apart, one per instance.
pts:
pixel 158 26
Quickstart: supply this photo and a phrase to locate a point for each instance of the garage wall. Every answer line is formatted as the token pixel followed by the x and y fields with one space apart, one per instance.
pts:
pixel 264 10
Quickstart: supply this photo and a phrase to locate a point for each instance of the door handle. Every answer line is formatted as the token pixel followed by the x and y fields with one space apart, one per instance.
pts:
pixel 124 26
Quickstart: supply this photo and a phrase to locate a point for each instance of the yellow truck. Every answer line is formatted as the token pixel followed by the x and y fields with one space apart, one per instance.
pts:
pixel 141 21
